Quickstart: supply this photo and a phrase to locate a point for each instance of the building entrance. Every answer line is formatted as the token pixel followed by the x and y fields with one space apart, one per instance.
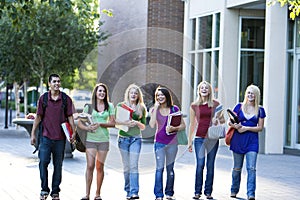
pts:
pixel 297 131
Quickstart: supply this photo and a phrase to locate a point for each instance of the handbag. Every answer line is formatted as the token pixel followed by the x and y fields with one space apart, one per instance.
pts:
pixel 80 137
pixel 229 135
pixel 182 138
pixel 216 132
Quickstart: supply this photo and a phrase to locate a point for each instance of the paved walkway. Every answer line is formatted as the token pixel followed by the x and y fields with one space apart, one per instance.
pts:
pixel 278 176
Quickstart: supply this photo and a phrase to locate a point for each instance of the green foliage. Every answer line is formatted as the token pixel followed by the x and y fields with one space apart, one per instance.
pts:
pixel 294 6
pixel 54 37
pixel 11 105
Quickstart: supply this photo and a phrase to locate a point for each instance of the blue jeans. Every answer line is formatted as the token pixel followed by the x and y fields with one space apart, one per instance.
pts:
pixel 164 154
pixel 238 160
pixel 57 149
pixel 210 148
pixel 130 148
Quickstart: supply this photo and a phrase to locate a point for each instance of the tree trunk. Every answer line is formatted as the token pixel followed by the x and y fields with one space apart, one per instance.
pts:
pixel 17 99
pixel 25 97
pixel 41 86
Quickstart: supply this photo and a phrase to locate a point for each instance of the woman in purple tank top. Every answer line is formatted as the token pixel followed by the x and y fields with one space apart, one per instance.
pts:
pixel 165 145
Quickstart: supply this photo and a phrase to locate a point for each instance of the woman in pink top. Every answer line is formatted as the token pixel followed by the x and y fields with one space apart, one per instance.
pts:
pixel 201 117
pixel 165 145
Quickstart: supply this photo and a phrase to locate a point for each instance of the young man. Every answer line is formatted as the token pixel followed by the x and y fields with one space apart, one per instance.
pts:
pixel 52 140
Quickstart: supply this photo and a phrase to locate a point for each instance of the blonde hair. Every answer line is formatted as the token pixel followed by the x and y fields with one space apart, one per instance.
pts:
pixel 256 91
pixel 140 100
pixel 210 98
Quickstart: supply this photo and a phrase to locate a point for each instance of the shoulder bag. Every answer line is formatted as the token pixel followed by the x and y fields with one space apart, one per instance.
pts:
pixel 216 132
pixel 80 137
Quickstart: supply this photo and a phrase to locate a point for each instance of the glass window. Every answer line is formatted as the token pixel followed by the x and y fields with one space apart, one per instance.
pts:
pixel 289 99
pixel 215 82
pixel 252 54
pixel 200 67
pixel 208 67
pixel 253 33
pixel 297 33
pixel 290 33
pixel 217 30
pixel 298 105
pixel 252 71
pixel 193 33
pixel 205 32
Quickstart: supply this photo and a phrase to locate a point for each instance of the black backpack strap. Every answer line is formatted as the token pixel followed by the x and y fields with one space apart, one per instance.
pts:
pixel 40 126
pixel 45 102
pixel 64 105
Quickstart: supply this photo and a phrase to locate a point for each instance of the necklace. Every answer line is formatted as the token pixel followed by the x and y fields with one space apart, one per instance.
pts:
pixel 100 107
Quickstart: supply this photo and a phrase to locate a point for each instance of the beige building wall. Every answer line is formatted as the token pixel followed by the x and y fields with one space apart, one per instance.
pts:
pixel 275 75
pixel 272 139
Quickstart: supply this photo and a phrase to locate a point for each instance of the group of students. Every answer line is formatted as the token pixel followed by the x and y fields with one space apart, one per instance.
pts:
pixel 244 142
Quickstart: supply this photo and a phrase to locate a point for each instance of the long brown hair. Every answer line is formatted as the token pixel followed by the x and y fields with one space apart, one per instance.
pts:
pixel 94 97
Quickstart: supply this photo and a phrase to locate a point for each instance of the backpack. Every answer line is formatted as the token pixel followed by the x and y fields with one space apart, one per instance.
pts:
pixel 64 107
pixel 80 137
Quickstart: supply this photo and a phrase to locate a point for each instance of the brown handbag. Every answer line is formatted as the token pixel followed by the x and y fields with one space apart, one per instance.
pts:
pixel 229 135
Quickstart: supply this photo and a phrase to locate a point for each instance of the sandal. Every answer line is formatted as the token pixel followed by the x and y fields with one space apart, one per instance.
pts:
pixel 135 196
pixel 44 195
pixel 55 197
pixel 233 195
pixel 98 198
pixel 85 198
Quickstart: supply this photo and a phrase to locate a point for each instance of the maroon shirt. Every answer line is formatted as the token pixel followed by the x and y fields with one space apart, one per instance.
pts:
pixel 203 115
pixel 54 115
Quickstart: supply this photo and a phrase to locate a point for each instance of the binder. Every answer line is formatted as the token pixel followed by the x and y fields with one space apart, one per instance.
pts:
pixel 124 113
pixel 67 130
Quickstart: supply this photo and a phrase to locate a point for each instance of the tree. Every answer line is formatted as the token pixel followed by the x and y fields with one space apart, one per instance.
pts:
pixel 48 41
pixel 16 9
pixel 294 6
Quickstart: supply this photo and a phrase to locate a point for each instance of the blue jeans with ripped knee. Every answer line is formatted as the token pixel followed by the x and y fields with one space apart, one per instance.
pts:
pixel 238 160
pixel 165 155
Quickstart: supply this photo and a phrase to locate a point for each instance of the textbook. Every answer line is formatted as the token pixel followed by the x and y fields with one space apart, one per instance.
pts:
pixel 86 118
pixel 67 130
pixel 127 108
pixel 218 109
pixel 124 113
pixel 174 119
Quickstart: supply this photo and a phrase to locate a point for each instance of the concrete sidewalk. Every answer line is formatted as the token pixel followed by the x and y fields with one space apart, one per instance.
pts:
pixel 278 176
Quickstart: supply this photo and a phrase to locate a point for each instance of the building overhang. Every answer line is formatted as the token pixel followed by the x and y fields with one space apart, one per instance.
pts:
pixel 246 4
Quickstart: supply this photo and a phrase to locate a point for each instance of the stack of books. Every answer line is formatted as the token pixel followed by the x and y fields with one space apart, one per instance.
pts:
pixel 124 113
pixel 174 119
pixel 67 130
pixel 86 118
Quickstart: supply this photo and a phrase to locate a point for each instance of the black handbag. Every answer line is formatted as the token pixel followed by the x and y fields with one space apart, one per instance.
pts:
pixel 233 117
pixel 80 139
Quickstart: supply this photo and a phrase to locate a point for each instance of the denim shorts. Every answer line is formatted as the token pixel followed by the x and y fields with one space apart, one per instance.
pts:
pixel 100 146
